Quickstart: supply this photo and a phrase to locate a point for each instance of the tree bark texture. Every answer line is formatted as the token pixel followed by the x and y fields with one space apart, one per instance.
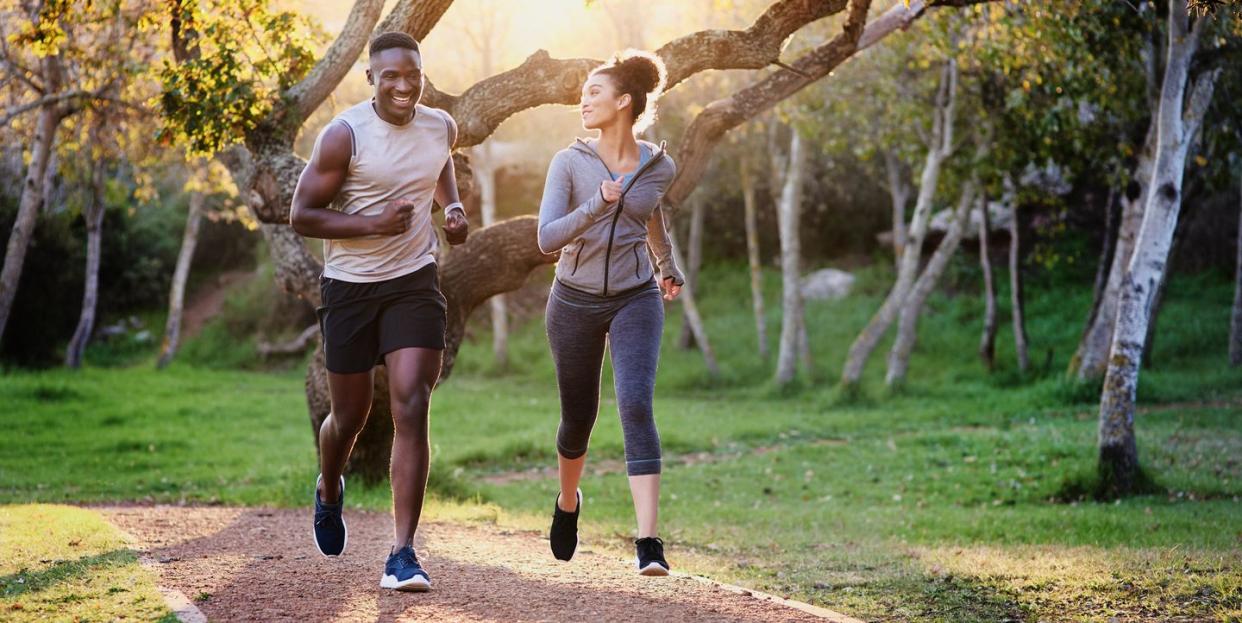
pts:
pixel 176 292
pixel 751 216
pixel 1091 356
pixel 1107 250
pixel 93 215
pixel 50 116
pixel 987 342
pixel 1017 299
pixel 899 191
pixel 685 340
pixel 907 325
pixel 1178 120
pixel 790 211
pixel 940 147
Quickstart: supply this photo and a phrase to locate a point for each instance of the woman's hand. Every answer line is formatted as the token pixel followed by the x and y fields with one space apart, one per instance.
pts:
pixel 611 191
pixel 670 288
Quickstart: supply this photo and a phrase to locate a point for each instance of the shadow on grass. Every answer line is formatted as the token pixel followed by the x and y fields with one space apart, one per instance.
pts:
pixel 899 590
pixel 24 582
pixel 1092 485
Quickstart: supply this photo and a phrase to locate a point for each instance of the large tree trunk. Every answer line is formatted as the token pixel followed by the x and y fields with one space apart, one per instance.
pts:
pixel 485 179
pixel 1091 356
pixel 939 149
pixel 790 209
pixel 899 191
pixel 93 215
pixel 176 292
pixel 1177 122
pixel 1108 246
pixel 1179 231
pixel 1157 301
pixel 685 340
pixel 1017 298
pixel 751 216
pixel 907 325
pixel 50 116
pixel 987 342
pixel 1235 323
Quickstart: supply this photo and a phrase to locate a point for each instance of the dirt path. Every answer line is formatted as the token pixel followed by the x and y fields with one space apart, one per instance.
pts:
pixel 208 299
pixel 260 565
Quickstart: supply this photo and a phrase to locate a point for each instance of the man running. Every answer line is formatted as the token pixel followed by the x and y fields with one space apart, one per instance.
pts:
pixel 368 192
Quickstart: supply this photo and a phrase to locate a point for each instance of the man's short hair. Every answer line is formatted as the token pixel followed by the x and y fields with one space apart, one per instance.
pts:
pixel 392 40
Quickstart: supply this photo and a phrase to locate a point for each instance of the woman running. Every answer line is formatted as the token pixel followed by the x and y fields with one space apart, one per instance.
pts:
pixel 601 210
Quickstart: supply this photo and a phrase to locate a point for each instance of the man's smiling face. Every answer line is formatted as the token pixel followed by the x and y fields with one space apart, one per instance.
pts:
pixel 397 75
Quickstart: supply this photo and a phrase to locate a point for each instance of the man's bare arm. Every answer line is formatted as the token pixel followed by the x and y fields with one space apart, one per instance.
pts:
pixel 318 186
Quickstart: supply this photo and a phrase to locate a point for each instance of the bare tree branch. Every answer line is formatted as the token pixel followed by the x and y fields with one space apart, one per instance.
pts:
pixel 720 116
pixel 414 17
pixel 336 62
pixel 899 17
pixel 16 111
pixel 541 79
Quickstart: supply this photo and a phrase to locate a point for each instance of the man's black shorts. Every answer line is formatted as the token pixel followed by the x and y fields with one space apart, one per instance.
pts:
pixel 362 322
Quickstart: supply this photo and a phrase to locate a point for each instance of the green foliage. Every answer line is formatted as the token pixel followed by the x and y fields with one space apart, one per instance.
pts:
pixel 247 55
pixel 44 33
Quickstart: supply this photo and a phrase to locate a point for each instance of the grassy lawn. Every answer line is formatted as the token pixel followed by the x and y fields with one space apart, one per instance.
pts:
pixel 956 499
pixel 68 564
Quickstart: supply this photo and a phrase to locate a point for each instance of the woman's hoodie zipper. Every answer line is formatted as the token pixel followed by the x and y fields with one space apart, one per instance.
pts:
pixel 612 231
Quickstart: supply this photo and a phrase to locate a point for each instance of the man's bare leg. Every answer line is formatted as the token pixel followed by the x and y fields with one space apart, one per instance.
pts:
pixel 351 403
pixel 412 374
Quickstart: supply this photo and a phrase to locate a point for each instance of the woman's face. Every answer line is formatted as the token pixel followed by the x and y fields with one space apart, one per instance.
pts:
pixel 601 105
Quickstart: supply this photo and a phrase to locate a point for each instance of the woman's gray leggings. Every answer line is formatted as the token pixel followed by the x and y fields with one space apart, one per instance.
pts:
pixel 631 323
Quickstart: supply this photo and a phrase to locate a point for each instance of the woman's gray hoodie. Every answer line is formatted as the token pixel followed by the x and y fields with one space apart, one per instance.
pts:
pixel 604 246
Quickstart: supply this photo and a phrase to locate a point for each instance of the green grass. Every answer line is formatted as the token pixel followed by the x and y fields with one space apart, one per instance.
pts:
pixel 944 501
pixel 139 434
pixel 68 564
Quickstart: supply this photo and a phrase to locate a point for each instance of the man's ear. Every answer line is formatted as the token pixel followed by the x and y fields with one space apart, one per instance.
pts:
pixel 370 79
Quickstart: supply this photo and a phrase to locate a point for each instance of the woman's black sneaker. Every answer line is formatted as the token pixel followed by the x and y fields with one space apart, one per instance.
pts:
pixel 651 556
pixel 564 534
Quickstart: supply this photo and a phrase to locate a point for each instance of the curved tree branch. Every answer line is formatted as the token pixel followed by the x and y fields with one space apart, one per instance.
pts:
pixel 336 62
pixel 541 79
pixel 725 114
pixel 722 115
pixel 415 17
pixel 56 98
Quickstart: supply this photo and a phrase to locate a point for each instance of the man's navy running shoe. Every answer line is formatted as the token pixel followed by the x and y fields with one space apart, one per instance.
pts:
pixel 330 533
pixel 403 573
